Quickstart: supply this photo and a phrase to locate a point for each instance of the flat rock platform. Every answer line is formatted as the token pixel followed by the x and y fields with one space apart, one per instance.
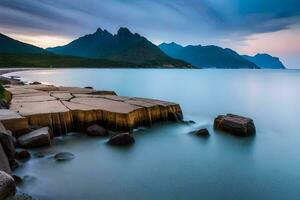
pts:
pixel 67 109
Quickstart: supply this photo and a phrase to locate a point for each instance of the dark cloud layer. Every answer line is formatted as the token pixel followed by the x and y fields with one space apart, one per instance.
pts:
pixel 159 17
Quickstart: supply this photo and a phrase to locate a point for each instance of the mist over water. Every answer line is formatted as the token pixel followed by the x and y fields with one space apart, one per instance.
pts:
pixel 168 163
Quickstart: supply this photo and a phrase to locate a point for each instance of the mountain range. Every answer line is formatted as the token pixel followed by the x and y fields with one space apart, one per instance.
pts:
pixel 217 57
pixel 126 49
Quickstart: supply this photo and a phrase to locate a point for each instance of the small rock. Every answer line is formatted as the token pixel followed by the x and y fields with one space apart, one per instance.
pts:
pixel 7 185
pixel 37 138
pixel 122 139
pixel 64 156
pixel 96 130
pixel 89 87
pixel 18 179
pixel 189 122
pixel 237 125
pixel 39 155
pixel 35 83
pixel 23 155
pixel 201 132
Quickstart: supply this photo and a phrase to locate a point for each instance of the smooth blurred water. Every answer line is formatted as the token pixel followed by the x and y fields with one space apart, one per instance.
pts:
pixel 168 163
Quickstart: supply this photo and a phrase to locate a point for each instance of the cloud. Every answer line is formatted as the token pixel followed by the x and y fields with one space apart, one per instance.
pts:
pixel 186 22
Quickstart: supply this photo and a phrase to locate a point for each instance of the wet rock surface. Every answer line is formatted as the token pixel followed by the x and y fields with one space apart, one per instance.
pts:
pixel 122 139
pixel 38 138
pixel 96 130
pixel 235 124
pixel 64 156
pixel 7 185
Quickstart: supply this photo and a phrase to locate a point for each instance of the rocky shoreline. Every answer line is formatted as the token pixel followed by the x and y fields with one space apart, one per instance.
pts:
pixel 32 114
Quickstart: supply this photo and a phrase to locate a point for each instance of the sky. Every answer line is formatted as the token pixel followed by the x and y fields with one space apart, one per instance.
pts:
pixel 247 26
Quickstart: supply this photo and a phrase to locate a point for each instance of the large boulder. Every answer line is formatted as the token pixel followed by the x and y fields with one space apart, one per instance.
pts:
pixel 235 124
pixel 96 130
pixel 7 185
pixel 122 139
pixel 38 138
pixel 8 142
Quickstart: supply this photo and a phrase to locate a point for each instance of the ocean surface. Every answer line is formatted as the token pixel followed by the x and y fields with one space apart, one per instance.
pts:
pixel 167 162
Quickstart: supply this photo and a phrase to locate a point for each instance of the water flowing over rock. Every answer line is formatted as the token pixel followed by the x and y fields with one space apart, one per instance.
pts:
pixel 237 125
pixel 96 130
pixel 67 109
pixel 21 197
pixel 7 185
pixel 64 156
pixel 122 139
pixel 37 138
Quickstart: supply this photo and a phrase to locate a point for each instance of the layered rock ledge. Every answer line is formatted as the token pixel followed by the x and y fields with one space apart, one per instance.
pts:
pixel 66 109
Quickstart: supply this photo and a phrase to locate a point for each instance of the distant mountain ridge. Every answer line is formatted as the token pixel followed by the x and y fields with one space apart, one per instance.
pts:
pixel 123 46
pixel 207 56
pixel 127 49
pixel 9 45
pixel 265 61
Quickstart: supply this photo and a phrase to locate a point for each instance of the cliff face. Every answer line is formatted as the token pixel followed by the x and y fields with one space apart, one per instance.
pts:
pixel 66 109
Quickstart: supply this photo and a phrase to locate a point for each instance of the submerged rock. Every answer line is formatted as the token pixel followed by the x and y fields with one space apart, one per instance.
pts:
pixel 21 197
pixel 37 138
pixel 201 132
pixel 237 125
pixel 64 156
pixel 122 139
pixel 23 155
pixel 7 185
pixel 96 130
